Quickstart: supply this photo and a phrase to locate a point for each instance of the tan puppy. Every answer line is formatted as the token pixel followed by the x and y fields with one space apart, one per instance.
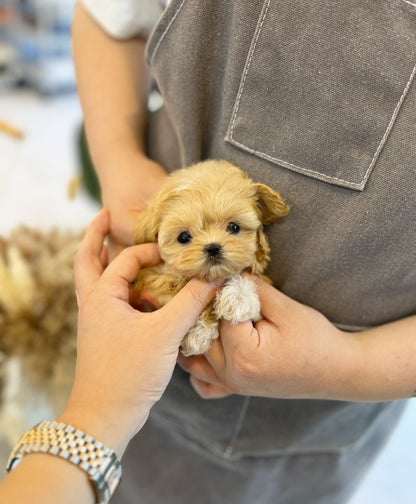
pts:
pixel 208 222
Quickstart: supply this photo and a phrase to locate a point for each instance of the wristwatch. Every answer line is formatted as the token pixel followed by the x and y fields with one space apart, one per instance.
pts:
pixel 101 464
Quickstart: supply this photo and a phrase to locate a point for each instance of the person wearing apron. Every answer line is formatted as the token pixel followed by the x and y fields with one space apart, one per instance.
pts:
pixel 315 99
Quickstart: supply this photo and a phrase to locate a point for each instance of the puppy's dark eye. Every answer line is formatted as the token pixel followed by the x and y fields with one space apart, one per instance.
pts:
pixel 184 237
pixel 233 228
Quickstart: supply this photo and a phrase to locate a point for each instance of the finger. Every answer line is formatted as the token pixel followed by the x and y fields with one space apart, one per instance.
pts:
pixel 104 256
pixel 274 303
pixel 189 303
pixel 216 357
pixel 243 338
pixel 199 367
pixel 208 390
pixel 124 269
pixel 87 263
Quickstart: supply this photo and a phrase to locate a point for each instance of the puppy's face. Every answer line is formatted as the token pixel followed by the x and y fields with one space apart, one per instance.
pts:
pixel 212 236
pixel 208 222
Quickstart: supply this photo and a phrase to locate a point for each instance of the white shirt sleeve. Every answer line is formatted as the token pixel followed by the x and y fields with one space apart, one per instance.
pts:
pixel 123 19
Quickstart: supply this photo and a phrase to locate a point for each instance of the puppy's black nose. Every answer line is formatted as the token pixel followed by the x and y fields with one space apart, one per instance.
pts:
pixel 213 249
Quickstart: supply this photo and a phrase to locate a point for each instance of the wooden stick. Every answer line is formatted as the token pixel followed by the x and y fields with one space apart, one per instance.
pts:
pixel 11 130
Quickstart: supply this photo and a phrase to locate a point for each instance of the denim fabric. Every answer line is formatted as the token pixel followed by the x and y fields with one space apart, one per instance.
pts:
pixel 317 99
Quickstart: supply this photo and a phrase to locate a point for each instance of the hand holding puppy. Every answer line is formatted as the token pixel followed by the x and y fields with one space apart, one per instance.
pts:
pixel 125 357
pixel 292 352
pixel 295 352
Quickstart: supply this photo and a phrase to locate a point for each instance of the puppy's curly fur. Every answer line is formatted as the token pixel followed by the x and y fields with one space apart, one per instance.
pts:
pixel 208 222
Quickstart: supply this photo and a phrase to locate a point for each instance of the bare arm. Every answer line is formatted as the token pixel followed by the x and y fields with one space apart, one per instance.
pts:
pixel 112 85
pixel 112 81
pixel 388 362
pixel 46 479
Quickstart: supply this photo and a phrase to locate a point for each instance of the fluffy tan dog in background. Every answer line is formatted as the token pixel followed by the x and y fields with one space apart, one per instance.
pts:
pixel 208 222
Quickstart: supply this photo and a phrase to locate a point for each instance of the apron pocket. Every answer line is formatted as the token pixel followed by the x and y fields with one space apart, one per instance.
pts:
pixel 323 84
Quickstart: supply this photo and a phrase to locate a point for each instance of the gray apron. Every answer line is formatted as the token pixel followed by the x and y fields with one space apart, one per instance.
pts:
pixel 316 99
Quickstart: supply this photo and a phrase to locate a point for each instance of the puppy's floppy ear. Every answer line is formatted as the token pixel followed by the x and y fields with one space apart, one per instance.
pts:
pixel 271 204
pixel 147 226
pixel 148 221
pixel 262 256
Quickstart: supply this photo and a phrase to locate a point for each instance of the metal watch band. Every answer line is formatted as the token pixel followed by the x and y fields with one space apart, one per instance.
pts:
pixel 100 463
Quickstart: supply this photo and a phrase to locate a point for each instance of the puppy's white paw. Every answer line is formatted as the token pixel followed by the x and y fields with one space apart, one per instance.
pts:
pixel 199 338
pixel 237 301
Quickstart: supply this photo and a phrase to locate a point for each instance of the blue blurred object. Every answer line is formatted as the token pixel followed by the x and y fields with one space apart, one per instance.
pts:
pixel 39 31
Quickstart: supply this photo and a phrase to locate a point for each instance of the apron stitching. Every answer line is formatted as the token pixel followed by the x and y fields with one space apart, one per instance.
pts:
pixel 323 175
pixel 250 59
pixel 393 118
pixel 291 165
pixel 165 32
pixel 239 424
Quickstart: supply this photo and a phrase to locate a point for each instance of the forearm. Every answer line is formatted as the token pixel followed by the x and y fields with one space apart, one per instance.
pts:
pixel 386 368
pixel 378 364
pixel 112 85
pixel 45 479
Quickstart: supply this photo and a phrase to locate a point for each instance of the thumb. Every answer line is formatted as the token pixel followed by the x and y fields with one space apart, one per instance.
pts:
pixel 189 302
pixel 274 304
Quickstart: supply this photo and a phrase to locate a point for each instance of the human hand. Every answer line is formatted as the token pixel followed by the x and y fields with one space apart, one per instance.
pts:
pixel 126 189
pixel 293 352
pixel 125 358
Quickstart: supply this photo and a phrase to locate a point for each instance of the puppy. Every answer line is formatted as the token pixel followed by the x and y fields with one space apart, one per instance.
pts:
pixel 208 222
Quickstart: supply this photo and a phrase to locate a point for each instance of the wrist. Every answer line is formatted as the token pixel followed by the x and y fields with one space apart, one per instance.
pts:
pixel 68 443
pixel 338 376
pixel 385 369
pixel 348 367
pixel 114 433
pixel 118 158
pixel 131 167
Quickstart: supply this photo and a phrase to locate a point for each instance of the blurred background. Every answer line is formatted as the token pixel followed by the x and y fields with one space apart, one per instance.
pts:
pixel 35 44
pixel 44 185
